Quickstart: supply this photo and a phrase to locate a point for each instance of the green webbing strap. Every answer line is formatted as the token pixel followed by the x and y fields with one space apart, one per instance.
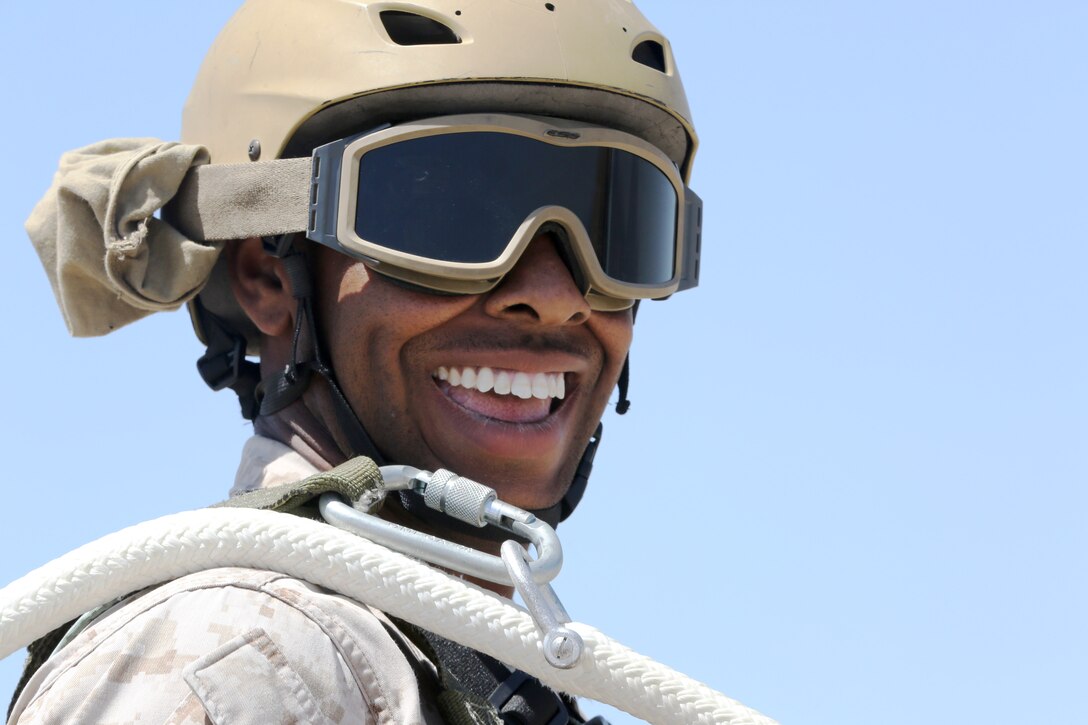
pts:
pixel 358 480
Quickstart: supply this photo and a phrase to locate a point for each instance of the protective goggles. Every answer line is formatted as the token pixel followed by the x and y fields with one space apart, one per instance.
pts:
pixel 451 203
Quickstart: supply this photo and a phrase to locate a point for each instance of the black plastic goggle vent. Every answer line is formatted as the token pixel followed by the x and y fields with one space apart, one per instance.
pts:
pixel 406 28
pixel 650 53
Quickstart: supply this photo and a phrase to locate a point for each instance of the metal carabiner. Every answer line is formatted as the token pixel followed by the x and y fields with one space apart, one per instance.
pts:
pixel 476 504
pixel 562 645
pixel 465 500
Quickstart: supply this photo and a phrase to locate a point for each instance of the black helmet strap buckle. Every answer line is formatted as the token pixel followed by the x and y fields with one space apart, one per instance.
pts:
pixel 224 364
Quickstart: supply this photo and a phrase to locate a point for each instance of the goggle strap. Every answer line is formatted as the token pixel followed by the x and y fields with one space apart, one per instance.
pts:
pixel 219 202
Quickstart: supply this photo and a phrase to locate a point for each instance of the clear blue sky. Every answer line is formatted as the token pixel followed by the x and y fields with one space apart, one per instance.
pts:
pixel 852 485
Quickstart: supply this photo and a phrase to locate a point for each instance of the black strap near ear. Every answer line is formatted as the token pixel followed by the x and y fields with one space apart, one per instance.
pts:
pixel 288 386
pixel 358 439
pixel 581 476
pixel 624 384
pixel 279 390
pixel 624 404
pixel 224 364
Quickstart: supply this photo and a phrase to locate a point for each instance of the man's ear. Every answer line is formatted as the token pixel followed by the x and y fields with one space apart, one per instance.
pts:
pixel 261 286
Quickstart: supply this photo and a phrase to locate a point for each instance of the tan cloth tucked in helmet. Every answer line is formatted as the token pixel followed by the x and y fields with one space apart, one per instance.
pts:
pixel 109 259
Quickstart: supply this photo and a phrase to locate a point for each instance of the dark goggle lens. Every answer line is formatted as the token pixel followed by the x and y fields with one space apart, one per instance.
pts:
pixel 461 197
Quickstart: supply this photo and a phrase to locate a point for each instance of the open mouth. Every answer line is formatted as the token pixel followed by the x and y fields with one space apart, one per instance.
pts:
pixel 509 396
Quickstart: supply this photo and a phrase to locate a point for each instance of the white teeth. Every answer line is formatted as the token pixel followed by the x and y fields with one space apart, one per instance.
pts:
pixel 485 380
pixel 522 387
pixel 505 382
pixel 540 386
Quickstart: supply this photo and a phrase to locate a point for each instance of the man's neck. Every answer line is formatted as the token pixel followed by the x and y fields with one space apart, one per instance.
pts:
pixel 296 427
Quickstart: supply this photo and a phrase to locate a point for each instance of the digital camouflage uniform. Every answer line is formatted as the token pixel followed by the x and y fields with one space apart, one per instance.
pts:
pixel 236 646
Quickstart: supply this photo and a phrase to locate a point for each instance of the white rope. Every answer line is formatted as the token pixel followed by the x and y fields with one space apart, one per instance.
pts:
pixel 164 549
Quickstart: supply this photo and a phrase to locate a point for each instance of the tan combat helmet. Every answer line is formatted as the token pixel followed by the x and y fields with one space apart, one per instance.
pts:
pixel 286 75
pixel 283 73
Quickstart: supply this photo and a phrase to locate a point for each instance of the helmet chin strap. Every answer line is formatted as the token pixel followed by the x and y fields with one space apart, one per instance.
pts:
pixel 282 389
pixel 224 365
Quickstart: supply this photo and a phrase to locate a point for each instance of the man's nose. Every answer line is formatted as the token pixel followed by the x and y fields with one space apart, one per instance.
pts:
pixel 539 289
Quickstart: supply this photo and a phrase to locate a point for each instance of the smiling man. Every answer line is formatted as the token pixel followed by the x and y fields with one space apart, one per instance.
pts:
pixel 504 387
pixel 431 222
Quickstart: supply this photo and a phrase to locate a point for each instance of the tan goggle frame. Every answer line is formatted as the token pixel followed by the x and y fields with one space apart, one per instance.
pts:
pixel 603 292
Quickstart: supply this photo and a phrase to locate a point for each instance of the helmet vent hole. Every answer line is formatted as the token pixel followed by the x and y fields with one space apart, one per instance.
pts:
pixel 550 7
pixel 406 28
pixel 650 53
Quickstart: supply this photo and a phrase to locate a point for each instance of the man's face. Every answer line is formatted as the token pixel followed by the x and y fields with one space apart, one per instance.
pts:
pixel 471 383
